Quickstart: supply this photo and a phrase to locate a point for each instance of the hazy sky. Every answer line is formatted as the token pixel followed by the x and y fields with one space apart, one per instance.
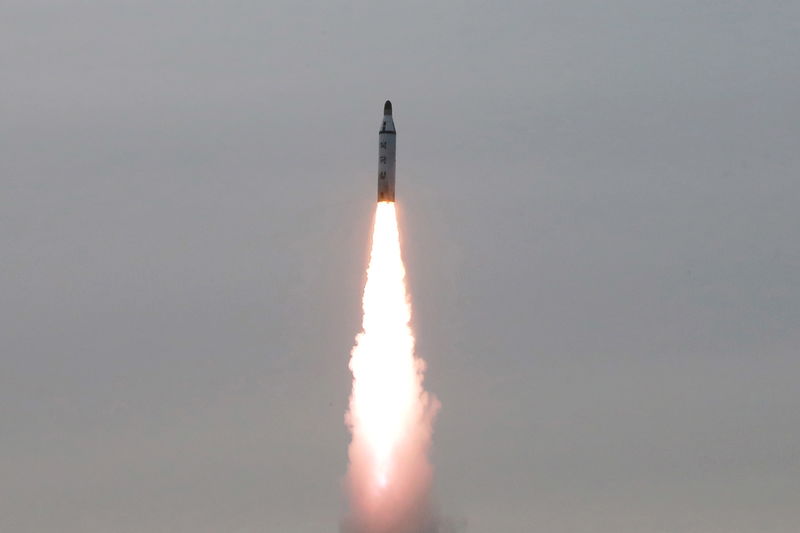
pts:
pixel 599 208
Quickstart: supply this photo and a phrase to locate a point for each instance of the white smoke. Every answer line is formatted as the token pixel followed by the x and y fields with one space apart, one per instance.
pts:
pixel 389 479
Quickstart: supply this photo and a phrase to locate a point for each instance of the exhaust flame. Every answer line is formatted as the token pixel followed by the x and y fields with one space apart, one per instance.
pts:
pixel 390 414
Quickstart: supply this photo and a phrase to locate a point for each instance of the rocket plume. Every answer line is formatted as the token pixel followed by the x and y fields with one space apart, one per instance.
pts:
pixel 390 415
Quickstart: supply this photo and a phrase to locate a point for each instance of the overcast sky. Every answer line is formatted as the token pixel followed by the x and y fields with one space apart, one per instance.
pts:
pixel 599 213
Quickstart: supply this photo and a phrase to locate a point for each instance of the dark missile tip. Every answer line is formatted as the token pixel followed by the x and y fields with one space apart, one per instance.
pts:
pixel 387 108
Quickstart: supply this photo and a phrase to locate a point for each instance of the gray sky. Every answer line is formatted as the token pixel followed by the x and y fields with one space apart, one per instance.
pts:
pixel 600 224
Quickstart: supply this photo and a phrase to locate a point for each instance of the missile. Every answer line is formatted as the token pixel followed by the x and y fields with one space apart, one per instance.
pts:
pixel 386 155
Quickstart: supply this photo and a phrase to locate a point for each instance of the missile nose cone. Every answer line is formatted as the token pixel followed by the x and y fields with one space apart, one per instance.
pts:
pixel 387 108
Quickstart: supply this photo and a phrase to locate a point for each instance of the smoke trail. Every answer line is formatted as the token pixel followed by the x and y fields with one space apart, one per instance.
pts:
pixel 391 415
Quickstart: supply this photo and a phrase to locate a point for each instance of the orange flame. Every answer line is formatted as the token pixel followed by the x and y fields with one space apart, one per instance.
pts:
pixel 390 413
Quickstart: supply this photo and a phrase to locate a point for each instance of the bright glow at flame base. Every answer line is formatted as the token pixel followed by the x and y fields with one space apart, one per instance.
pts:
pixel 390 413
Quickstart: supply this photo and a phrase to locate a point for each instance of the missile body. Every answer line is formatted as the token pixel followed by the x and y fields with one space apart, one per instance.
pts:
pixel 386 155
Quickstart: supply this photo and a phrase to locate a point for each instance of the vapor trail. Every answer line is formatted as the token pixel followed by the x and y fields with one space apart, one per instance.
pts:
pixel 390 415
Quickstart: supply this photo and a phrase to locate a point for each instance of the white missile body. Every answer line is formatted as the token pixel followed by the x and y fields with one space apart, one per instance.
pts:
pixel 386 156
